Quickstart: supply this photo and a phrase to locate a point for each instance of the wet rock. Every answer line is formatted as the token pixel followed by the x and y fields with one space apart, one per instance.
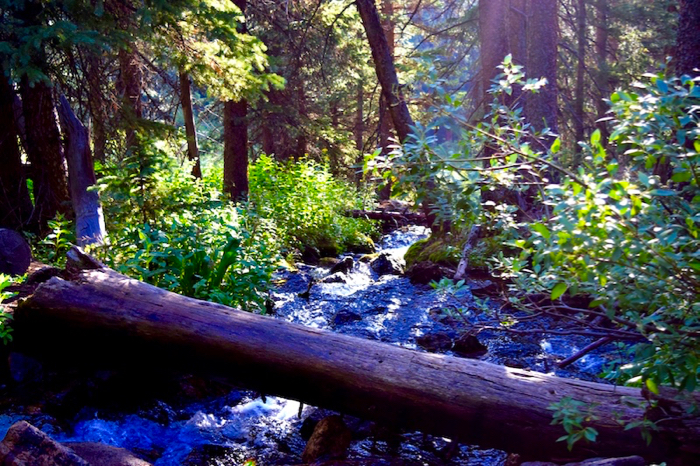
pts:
pixel 425 272
pixel 15 254
pixel 328 261
pixel 335 278
pixel 435 342
pixel 514 363
pixel 344 266
pixel 386 264
pixel 213 454
pixel 310 255
pixel 24 444
pixel 330 440
pixel 24 369
pixel 345 316
pixel 468 346
pixel 106 455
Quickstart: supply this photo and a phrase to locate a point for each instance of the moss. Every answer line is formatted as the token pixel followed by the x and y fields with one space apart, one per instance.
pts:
pixel 411 256
pixel 438 249
pixel 360 243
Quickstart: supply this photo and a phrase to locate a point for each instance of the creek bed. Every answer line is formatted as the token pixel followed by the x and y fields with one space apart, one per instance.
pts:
pixel 228 426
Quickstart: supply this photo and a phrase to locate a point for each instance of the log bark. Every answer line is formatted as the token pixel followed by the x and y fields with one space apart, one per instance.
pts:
pixel 89 219
pixel 101 314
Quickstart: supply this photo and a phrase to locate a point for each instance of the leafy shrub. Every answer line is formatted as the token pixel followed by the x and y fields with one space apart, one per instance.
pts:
pixel 307 205
pixel 52 249
pixel 175 232
pixel 5 329
pixel 623 231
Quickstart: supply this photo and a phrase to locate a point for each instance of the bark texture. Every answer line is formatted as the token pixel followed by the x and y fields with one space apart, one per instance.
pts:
pixel 236 140
pixel 465 399
pixel 190 128
pixel 236 149
pixel 15 204
pixel 688 40
pixel 384 66
pixel 542 38
pixel 45 153
pixel 89 220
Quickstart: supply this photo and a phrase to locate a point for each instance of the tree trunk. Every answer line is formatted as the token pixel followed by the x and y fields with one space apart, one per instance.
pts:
pixel 99 310
pixel 542 40
pixel 359 130
pixel 384 66
pixel 45 153
pixel 89 220
pixel 190 129
pixel 493 38
pixel 385 133
pixel 236 149
pixel 579 93
pixel 130 85
pixel 15 204
pixel 603 74
pixel 236 140
pixel 688 39
pixel 96 106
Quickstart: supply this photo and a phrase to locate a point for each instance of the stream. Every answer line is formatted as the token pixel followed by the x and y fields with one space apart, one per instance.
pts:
pixel 228 426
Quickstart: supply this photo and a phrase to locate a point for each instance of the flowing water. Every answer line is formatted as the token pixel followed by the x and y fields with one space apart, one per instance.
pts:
pixel 230 428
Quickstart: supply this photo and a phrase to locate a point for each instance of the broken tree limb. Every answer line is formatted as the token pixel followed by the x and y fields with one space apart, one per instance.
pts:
pixel 397 218
pixel 101 314
pixel 469 245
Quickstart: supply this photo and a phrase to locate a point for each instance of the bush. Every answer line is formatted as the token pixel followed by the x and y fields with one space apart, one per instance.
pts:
pixel 623 231
pixel 308 205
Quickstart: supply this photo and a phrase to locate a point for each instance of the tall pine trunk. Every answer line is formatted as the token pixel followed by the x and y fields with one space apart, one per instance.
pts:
pixel 236 149
pixel 688 40
pixel 579 94
pixel 15 204
pixel 236 140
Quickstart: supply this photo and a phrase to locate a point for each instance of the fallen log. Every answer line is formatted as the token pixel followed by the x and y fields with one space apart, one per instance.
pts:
pixel 386 216
pixel 101 314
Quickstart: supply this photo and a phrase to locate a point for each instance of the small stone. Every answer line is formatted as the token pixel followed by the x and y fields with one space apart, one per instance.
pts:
pixel 435 342
pixel 468 346
pixel 623 461
pixel 345 316
pixel 386 264
pixel 344 266
pixel 330 440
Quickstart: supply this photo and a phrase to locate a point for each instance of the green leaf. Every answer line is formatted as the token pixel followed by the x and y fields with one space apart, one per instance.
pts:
pixel 652 386
pixel 682 177
pixel 556 146
pixel 542 230
pixel 595 138
pixel 558 290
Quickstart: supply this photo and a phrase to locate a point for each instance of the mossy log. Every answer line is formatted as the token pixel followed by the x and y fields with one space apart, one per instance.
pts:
pixel 101 315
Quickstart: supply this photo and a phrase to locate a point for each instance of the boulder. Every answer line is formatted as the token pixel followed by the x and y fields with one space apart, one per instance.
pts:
pixel 344 266
pixel 330 440
pixel 426 272
pixel 468 346
pixel 386 264
pixel 15 254
pixel 26 445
